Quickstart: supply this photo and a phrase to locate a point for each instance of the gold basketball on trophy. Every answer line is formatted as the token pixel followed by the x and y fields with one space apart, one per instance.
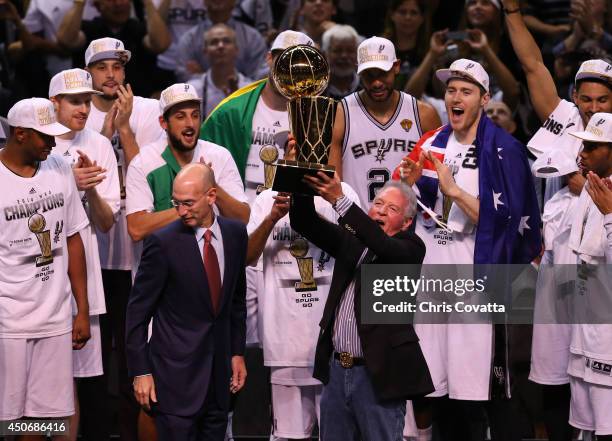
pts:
pixel 301 71
pixel 298 248
pixel 37 223
pixel 300 74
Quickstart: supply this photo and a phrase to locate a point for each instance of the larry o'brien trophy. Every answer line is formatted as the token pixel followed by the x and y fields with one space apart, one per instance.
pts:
pixel 300 74
pixel 37 224
pixel 299 249
pixel 268 155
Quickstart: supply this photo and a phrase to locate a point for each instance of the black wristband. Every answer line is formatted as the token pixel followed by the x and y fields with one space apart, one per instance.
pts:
pixel 511 11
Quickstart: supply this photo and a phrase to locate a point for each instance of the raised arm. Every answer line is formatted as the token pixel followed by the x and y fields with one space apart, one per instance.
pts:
pixel 158 37
pixel 69 33
pixel 417 83
pixel 542 89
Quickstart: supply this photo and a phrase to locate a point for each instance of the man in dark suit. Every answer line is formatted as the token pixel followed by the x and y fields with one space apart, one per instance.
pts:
pixel 369 371
pixel 191 281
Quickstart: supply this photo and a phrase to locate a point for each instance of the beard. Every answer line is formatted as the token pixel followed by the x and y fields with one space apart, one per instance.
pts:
pixel 179 146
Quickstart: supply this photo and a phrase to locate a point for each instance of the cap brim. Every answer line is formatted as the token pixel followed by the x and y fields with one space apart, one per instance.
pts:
pixel 382 65
pixel 169 106
pixel 122 55
pixel 78 91
pixel 54 129
pixel 445 75
pixel 594 75
pixel 588 136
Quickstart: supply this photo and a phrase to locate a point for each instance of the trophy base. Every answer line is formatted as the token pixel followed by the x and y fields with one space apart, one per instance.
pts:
pixel 260 188
pixel 43 260
pixel 303 287
pixel 289 175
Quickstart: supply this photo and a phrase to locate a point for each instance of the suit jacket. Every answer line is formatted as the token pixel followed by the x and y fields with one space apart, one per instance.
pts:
pixel 392 353
pixel 190 346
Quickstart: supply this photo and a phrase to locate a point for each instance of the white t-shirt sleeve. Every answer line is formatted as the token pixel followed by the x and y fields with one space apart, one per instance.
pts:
pixel 259 210
pixel 228 178
pixel 76 218
pixel 109 189
pixel 33 19
pixel 148 129
pixel 139 196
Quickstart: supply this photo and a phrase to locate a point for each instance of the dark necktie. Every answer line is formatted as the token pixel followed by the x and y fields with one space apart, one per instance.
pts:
pixel 211 265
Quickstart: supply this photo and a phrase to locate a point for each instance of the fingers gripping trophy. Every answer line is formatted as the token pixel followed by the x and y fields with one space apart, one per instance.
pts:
pixel 300 74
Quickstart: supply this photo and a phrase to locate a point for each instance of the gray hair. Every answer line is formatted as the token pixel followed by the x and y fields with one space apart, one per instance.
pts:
pixel 339 32
pixel 408 194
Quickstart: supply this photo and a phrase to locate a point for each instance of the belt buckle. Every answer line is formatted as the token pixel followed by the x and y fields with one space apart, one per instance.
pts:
pixel 346 360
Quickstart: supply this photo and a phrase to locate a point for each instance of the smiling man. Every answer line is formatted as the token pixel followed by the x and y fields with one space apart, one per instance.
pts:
pixel 475 180
pixel 95 172
pixel 368 371
pixel 42 261
pixel 377 126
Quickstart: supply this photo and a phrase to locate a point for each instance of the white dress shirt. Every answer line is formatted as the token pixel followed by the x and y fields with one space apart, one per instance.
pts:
pixel 216 241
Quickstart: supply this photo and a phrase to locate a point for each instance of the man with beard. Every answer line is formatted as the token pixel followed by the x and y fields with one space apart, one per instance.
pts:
pixel 481 208
pixel 377 126
pixel 151 173
pixel 95 171
pixel 129 122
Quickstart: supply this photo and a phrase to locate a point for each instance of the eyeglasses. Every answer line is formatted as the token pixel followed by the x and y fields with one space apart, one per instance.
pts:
pixel 188 204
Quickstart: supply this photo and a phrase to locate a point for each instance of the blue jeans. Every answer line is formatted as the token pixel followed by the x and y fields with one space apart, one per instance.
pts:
pixel 350 410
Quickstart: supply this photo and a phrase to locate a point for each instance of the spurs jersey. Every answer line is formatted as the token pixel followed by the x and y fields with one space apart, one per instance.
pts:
pixel 372 150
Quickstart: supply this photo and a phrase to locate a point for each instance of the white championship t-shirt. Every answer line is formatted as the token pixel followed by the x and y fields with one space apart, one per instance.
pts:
pixel 98 149
pixel 39 213
pixel 370 150
pixel 456 247
pixel 116 245
pixel 290 304
pixel 270 127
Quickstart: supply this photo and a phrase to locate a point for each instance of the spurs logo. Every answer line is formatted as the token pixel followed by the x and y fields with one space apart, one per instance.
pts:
pixel 381 48
pixel 469 66
pixel 117 45
pixel 323 259
pixel 600 122
pixel 383 149
pixel 608 68
pixel 186 87
pixel 59 226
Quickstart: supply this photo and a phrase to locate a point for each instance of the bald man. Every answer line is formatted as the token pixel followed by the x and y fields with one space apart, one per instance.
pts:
pixel 192 279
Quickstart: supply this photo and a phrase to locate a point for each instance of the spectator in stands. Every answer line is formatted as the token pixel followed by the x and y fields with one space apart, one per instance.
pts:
pixel 340 46
pixel 408 26
pixel 180 16
pixel 548 18
pixel 143 40
pixel 255 13
pixel 252 47
pixel 45 17
pixel 588 29
pixel 222 78
pixel 315 17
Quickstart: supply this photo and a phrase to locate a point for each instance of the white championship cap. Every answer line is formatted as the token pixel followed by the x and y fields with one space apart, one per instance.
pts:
pixel 106 48
pixel 598 69
pixel 555 162
pixel 175 94
pixel 466 70
pixel 290 38
pixel 375 53
pixel 599 129
pixel 37 114
pixel 71 82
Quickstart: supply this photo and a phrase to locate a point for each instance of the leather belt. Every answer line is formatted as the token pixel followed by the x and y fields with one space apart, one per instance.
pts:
pixel 347 361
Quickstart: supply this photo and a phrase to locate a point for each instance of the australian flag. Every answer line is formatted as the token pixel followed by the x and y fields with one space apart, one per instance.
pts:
pixel 508 228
